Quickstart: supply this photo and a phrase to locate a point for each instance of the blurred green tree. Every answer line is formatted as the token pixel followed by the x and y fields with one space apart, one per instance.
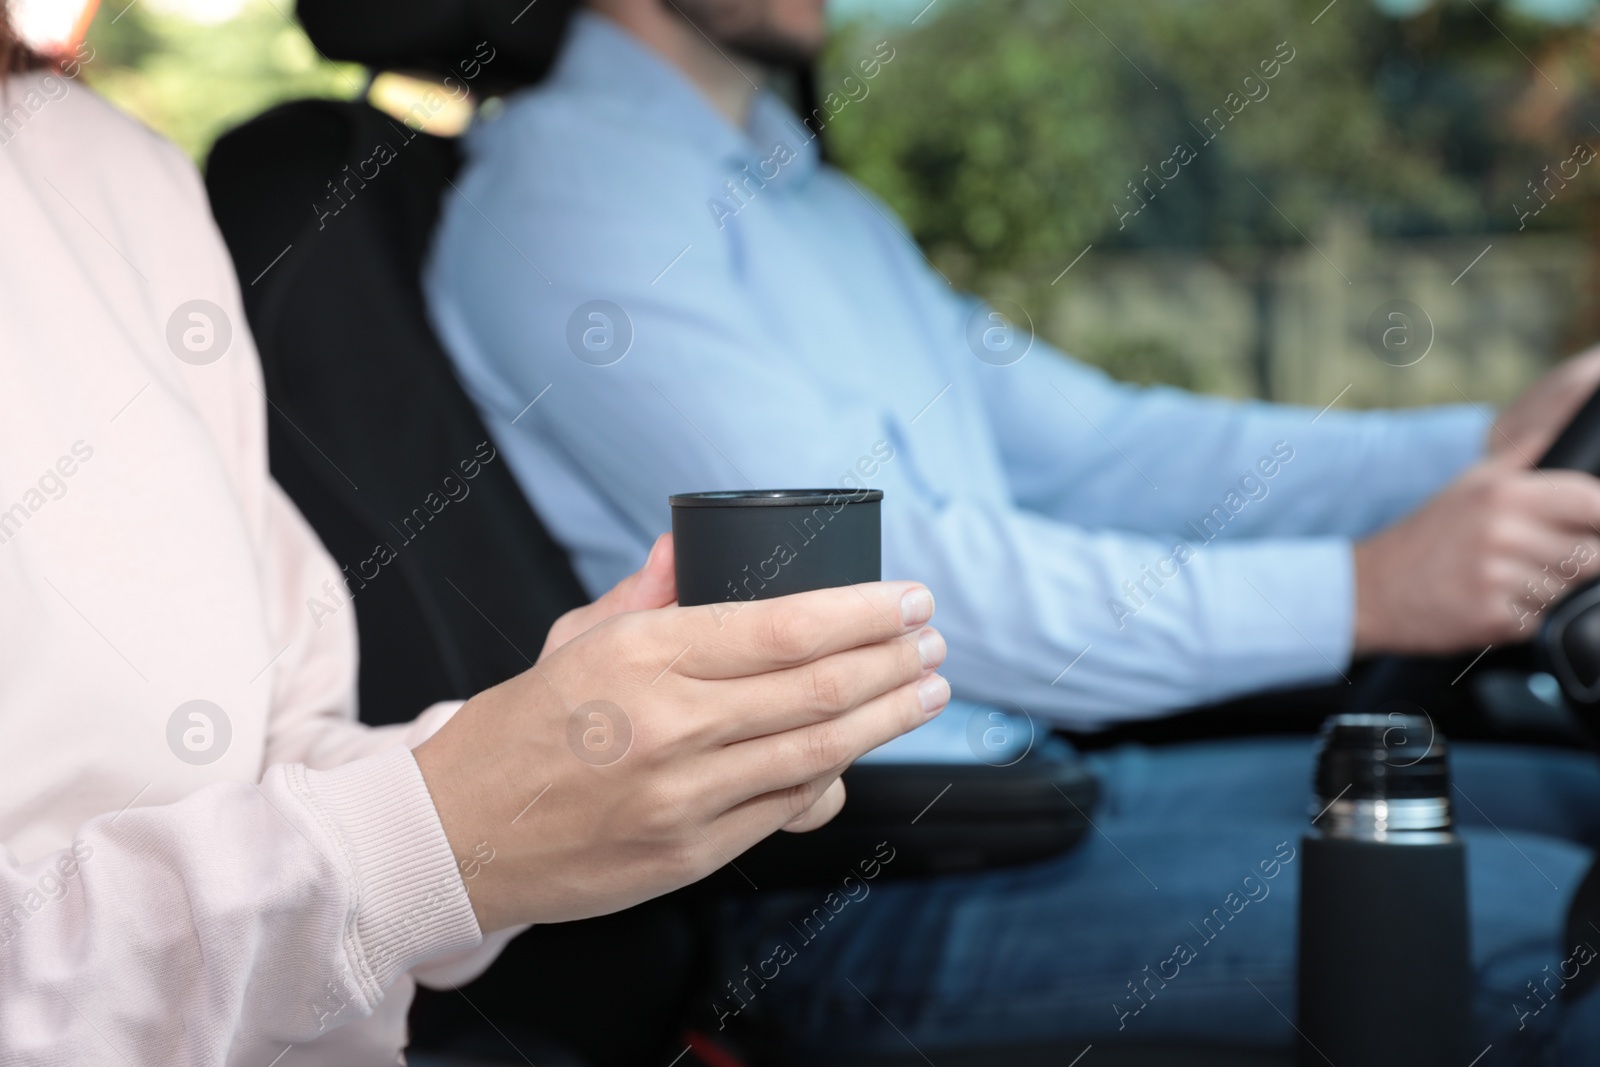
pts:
pixel 1007 132
pixel 192 81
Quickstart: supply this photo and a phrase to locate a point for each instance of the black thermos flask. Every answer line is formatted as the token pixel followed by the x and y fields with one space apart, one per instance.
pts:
pixel 1385 964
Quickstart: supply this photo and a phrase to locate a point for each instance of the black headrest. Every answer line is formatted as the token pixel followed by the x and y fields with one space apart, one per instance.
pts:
pixel 443 37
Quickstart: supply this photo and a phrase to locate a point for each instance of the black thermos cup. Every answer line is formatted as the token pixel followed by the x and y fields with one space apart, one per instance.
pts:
pixel 764 543
pixel 1385 965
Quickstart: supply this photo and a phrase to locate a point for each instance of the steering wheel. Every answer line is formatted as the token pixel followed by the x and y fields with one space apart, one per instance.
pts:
pixel 1567 643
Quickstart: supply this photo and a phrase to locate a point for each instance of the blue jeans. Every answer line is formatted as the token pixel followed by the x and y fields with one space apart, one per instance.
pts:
pixel 1053 952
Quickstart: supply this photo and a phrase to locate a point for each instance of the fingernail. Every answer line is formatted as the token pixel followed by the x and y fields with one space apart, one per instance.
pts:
pixel 916 607
pixel 931 647
pixel 934 692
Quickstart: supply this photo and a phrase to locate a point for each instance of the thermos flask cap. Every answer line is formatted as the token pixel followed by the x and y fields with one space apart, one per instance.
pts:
pixel 1382 757
pixel 1383 778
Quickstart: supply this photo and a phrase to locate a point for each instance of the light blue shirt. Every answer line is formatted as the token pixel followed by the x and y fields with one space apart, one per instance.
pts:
pixel 1098 551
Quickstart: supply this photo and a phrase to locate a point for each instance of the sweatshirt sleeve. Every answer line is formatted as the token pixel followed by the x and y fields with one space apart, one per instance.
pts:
pixel 314 716
pixel 241 918
pixel 312 617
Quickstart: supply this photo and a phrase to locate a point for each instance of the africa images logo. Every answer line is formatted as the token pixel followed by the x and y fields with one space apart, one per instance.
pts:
pixel 198 732
pixel 199 332
pixel 600 333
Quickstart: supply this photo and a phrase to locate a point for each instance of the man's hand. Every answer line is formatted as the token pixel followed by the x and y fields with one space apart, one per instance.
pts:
pixel 1527 428
pixel 649 750
pixel 1480 563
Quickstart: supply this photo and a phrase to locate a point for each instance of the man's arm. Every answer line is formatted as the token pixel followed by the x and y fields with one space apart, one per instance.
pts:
pixel 1078 445
pixel 1479 549
pixel 1083 448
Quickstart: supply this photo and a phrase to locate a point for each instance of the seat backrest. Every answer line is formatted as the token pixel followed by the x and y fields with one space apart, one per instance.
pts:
pixel 327 209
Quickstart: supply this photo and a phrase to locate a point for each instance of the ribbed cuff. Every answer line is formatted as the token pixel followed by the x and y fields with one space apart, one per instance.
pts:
pixel 411 903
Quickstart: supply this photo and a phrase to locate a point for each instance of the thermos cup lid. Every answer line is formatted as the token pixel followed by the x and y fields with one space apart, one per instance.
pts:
pixel 797 498
pixel 1382 757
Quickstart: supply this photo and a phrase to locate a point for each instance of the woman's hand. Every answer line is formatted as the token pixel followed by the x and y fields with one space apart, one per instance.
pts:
pixel 643 753
pixel 655 585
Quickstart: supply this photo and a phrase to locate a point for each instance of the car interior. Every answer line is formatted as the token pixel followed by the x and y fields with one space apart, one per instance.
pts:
pixel 366 419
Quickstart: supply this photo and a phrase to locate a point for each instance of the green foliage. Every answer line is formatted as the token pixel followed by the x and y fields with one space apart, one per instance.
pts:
pixel 994 132
pixel 192 82
pixel 1006 132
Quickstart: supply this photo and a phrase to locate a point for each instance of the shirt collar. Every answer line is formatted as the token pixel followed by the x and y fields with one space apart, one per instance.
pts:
pixel 602 59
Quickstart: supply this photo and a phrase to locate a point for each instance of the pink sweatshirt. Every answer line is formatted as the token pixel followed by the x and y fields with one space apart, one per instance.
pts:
pixel 252 879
